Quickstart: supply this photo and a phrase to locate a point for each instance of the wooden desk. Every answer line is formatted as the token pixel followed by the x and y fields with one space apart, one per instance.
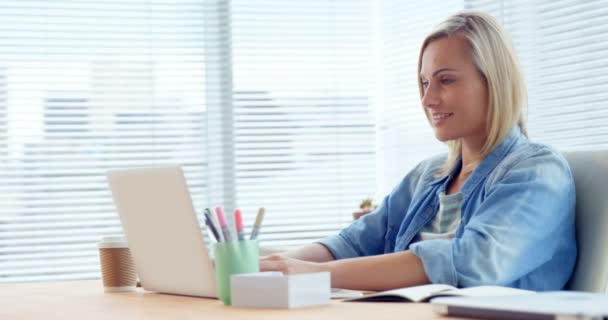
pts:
pixel 86 300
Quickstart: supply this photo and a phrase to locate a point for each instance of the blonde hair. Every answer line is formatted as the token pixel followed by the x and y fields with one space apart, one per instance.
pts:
pixel 495 59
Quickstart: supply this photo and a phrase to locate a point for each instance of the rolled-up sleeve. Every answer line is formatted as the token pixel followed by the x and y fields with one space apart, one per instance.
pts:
pixel 436 256
pixel 363 237
pixel 369 235
pixel 525 219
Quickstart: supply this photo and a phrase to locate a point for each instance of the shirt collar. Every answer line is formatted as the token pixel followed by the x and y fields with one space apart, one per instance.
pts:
pixel 488 163
pixel 493 159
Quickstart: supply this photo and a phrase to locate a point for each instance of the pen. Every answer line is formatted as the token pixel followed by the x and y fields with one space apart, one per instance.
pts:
pixel 210 224
pixel 216 224
pixel 257 224
pixel 238 220
pixel 223 224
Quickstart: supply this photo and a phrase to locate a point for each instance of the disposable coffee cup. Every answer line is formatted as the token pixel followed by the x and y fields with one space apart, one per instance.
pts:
pixel 117 266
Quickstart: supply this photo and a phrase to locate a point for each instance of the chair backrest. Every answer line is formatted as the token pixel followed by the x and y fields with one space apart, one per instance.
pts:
pixel 590 170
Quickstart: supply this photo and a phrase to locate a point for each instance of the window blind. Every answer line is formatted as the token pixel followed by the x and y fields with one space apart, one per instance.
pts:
pixel 303 107
pixel 87 86
pixel 304 130
pixel 563 46
pixel 262 103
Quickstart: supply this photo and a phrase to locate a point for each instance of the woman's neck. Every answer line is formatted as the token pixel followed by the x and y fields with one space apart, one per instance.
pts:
pixel 470 152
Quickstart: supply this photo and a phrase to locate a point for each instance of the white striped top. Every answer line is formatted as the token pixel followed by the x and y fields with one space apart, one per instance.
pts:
pixel 447 220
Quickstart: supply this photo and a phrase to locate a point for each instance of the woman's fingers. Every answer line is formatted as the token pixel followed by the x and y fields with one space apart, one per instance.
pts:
pixel 271 257
pixel 288 265
pixel 274 265
pixel 359 214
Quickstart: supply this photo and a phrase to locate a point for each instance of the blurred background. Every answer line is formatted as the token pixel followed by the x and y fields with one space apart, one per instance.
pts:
pixel 302 107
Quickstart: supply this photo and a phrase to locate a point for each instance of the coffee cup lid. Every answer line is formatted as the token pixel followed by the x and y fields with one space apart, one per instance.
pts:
pixel 112 242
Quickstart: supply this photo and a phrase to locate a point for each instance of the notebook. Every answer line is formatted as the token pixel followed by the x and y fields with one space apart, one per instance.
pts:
pixel 544 305
pixel 427 292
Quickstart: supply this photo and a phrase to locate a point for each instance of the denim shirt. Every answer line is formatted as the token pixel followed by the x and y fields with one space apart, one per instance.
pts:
pixel 517 228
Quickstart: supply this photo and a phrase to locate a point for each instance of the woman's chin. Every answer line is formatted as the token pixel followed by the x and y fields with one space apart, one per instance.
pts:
pixel 443 136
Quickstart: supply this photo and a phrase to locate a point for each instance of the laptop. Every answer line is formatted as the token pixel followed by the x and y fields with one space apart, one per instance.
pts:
pixel 544 305
pixel 162 230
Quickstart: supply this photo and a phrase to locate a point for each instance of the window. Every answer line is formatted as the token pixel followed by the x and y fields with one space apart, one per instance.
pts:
pixel 302 107
pixel 85 87
pixel 303 123
pixel 264 103
pixel 563 47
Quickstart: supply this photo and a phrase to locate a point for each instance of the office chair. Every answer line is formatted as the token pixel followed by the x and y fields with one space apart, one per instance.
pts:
pixel 590 170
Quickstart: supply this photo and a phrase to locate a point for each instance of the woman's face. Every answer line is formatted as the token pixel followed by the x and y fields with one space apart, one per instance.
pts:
pixel 455 93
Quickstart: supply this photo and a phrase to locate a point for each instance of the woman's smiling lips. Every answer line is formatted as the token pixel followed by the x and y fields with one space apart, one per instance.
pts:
pixel 439 118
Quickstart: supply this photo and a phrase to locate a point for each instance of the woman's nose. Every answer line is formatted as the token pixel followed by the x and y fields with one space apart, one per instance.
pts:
pixel 430 97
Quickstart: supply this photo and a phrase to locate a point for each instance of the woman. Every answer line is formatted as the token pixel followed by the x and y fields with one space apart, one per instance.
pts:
pixel 497 210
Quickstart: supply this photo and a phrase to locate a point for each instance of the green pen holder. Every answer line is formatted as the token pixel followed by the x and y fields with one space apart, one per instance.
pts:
pixel 234 257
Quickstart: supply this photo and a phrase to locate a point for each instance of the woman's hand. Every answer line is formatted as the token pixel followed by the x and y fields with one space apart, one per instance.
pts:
pixel 361 213
pixel 289 265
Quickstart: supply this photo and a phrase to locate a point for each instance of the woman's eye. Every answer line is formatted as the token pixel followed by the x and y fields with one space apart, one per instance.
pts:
pixel 446 80
pixel 425 83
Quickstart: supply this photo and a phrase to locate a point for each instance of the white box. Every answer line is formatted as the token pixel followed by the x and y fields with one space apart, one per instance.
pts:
pixel 275 290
